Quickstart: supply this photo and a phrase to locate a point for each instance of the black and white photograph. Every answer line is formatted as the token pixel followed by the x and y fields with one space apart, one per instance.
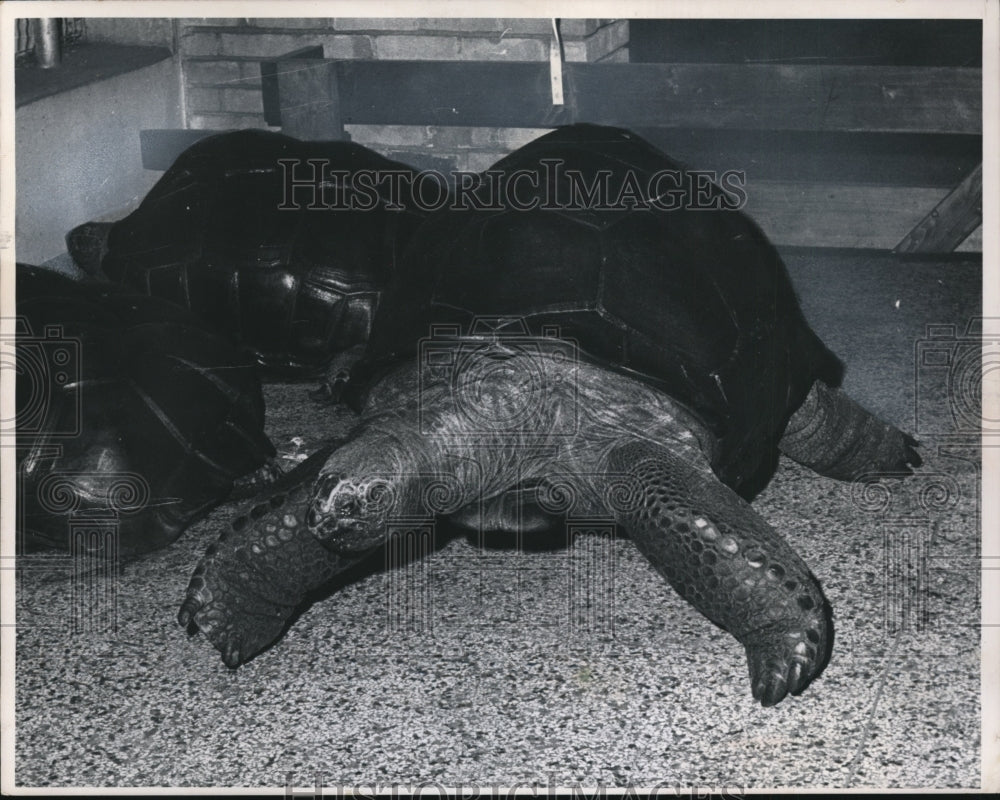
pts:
pixel 414 397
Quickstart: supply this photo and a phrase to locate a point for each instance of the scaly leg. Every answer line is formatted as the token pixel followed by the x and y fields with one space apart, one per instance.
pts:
pixel 725 560
pixel 252 579
pixel 335 512
pixel 834 436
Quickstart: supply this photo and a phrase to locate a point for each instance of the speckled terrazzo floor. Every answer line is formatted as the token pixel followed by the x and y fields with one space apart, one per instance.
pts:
pixel 487 682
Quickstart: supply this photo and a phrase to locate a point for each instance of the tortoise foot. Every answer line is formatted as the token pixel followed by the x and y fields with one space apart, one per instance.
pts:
pixel 252 580
pixel 783 659
pixel 906 455
pixel 836 437
pixel 238 624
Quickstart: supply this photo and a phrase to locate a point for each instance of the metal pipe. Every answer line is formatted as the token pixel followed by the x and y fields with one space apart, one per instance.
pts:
pixel 48 42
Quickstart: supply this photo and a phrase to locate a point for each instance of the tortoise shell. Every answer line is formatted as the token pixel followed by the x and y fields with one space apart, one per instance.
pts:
pixel 129 412
pixel 641 274
pixel 225 234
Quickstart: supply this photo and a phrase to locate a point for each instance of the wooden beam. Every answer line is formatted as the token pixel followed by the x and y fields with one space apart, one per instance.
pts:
pixel 474 93
pixel 768 96
pixel 713 96
pixel 920 160
pixel 269 81
pixel 886 159
pixel 951 220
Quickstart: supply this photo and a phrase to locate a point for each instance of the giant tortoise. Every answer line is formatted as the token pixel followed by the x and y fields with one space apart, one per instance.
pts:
pixel 645 360
pixel 281 244
pixel 133 417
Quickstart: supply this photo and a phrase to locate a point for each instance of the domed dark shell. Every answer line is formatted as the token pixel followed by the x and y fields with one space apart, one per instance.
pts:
pixel 295 285
pixel 131 415
pixel 693 300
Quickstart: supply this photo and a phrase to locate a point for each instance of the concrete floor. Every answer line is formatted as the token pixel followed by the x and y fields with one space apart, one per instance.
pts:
pixel 487 680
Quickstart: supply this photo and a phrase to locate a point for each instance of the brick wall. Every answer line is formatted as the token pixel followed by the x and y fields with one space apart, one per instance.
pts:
pixel 221 64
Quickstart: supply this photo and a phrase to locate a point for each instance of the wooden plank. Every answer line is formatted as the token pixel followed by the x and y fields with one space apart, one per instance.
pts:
pixel 837 215
pixel 474 93
pixel 950 221
pixel 269 81
pixel 766 96
pixel 888 159
pixel 752 96
pixel 309 99
pixel 924 42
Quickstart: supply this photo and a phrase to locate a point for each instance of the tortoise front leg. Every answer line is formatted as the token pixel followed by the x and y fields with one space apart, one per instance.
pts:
pixel 258 572
pixel 252 580
pixel 725 560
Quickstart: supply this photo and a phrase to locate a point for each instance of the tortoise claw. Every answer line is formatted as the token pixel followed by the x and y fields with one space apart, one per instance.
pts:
pixel 913 458
pixel 231 657
pixel 185 617
pixel 898 452
pixel 782 661
pixel 770 690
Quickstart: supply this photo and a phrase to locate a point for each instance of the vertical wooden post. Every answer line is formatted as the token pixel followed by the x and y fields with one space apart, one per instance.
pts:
pixel 309 99
pixel 269 81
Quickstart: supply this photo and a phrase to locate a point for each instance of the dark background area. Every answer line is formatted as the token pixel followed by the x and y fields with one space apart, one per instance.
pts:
pixel 867 157
pixel 923 42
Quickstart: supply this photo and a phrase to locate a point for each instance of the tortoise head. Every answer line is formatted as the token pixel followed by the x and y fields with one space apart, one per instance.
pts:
pixel 348 514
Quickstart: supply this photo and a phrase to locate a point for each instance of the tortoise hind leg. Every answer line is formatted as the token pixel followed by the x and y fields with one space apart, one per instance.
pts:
pixel 836 437
pixel 725 560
